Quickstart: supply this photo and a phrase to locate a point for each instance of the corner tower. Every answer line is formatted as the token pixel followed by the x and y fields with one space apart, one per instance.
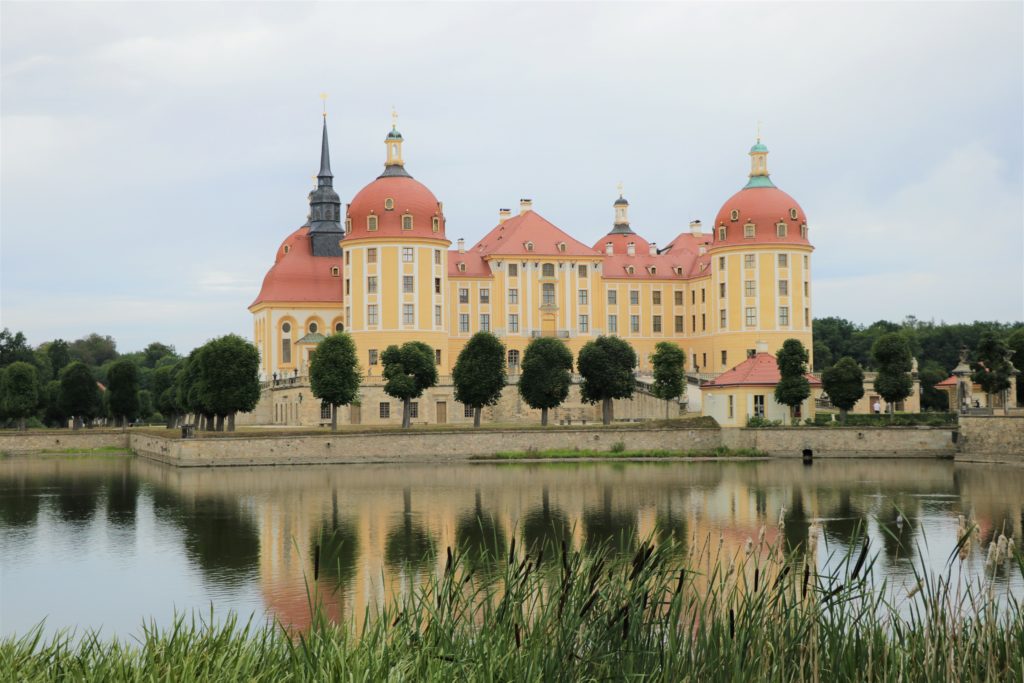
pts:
pixel 325 231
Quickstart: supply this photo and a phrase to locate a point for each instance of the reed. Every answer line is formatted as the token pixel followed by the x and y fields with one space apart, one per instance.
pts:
pixel 760 613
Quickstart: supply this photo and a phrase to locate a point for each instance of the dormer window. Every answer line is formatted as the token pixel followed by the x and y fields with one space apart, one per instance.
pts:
pixel 348 225
pixel 629 270
pixel 462 267
pixel 792 214
pixel 780 229
pixel 721 233
pixel 561 247
pixel 749 231
pixel 435 224
pixel 678 270
pixel 407 222
pixel 371 223
pixel 389 204
pixel 803 231
pixel 287 248
pixel 547 270
pixel 335 271
pixel 653 270
pixel 529 246
pixel 734 215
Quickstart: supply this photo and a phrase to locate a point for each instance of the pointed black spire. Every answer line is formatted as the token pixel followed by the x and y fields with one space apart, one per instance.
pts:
pixel 325 158
pixel 325 231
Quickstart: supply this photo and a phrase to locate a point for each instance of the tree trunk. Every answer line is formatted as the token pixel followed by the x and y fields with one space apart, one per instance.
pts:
pixel 543 417
pixel 76 423
pixel 842 416
pixel 220 423
pixel 210 422
pixel 606 411
pixel 21 424
pixel 476 415
pixel 334 417
pixel 169 422
pixel 231 422
pixel 1006 401
pixel 405 413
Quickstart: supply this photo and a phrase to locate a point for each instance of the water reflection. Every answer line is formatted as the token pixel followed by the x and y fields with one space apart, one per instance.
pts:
pixel 139 539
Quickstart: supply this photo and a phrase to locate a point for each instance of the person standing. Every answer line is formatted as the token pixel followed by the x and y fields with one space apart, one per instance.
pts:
pixel 877 407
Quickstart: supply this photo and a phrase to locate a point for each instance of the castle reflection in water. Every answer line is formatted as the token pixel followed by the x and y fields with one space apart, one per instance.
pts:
pixel 383 528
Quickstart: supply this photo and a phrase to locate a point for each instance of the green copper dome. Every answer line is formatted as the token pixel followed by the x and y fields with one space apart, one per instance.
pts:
pixel 759 181
pixel 758 147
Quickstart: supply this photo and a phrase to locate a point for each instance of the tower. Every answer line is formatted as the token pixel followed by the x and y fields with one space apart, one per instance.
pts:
pixel 325 231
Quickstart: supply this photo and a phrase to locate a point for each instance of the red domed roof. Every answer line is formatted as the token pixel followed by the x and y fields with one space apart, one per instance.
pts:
pixel 297 275
pixel 765 207
pixel 410 196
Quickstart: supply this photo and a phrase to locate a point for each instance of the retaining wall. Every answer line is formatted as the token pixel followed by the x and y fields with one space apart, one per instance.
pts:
pixel 61 440
pixel 993 438
pixel 877 442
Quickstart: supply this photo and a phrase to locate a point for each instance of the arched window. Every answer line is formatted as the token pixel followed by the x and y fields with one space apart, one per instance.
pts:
pixel 389 204
pixel 529 246
pixel 548 290
pixel 371 222
pixel 561 246
pixel 513 358
pixel 547 270
pixel 339 327
pixel 407 222
pixel 335 271
pixel 749 230
pixel 721 233
pixel 780 229
pixel 436 224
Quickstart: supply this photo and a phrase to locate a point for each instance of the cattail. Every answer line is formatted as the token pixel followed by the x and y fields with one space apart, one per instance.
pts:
pixel 782 516
pixel 991 559
pixel 1011 548
pixel 316 562
pixel 760 536
pixel 512 551
pixel 916 589
pixel 750 545
pixel 1001 548
pixel 518 641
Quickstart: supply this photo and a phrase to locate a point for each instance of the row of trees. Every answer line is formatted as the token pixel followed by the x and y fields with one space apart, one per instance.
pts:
pixel 605 365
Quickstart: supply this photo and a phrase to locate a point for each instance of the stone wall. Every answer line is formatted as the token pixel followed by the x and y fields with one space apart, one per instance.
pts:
pixel 993 438
pixel 879 442
pixel 61 440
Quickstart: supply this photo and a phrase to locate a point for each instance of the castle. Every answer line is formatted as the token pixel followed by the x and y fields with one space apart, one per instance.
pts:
pixel 383 270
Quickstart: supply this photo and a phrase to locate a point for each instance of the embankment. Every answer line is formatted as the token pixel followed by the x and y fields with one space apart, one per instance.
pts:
pixel 55 440
pixel 993 438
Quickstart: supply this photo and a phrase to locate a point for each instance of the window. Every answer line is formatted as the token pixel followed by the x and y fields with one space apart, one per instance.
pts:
pixel 414 409
pixel 485 295
pixel 286 350
pixel 807 289
pixel 634 297
pixel 286 327
pixel 408 285
pixel 513 323
pixel 613 324
pixel 721 263
pixel 693 297
pixel 613 297
pixel 371 314
pixel 759 405
pixel 629 270
pixel 656 324
pixel 348 257
pixel 348 225
pixel 385 410
pixel 513 358
pixel 780 230
pixel 287 248
pixel 348 286
pixel 464 322
pixel 582 297
pixel 467 411
pixel 722 319
pixel 748 261
pixel 335 271
pixel 679 297
pixel 408 314
pixel 783 287
pixel 582 270
pixel 679 324
pixel 548 290
pixel 807 317
pixel 437 316
pixel 437 356
pixel 751 315
pixel 371 223
pixel 721 233
pixel 704 359
pixel 389 204
pixel 805 262
pixel 749 231
pixel 513 296
pixel 325 410
pixel 584 325
pixel 695 366
pixel 732 405
pixel 693 323
pixel 406 222
pixel 703 321
pixel 547 270
pixel 407 254
pixel 634 324
pixel 437 257
pixel 485 322
pixel 463 295
pixel 803 230
pixel 371 255
pixel 725 357
pixel 435 224
pixel 656 297
pixel 561 246
pixel 529 246
pixel 373 356
pixel 784 315
pixel 437 285
pixel 792 214
pixel 734 214
pixel 313 327
pixel 702 299
pixel 339 327
pixel 749 288
pixel 513 270
pixel 721 290
pixel 783 261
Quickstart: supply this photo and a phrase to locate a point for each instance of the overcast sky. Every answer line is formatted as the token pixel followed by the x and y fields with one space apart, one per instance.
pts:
pixel 153 156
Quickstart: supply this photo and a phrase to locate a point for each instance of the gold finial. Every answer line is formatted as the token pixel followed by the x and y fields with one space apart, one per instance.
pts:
pixel 394 118
pixel 759 131
pixel 323 98
pixel 619 186
pixel 315 181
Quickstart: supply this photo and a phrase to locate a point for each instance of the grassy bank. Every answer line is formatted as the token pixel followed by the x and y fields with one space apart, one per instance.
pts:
pixel 568 454
pixel 561 615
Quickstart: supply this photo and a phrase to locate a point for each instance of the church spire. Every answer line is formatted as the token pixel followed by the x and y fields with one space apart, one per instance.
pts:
pixel 325 177
pixel 325 231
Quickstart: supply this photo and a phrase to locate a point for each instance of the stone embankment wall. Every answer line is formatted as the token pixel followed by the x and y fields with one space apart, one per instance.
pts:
pixel 877 442
pixel 61 440
pixel 993 438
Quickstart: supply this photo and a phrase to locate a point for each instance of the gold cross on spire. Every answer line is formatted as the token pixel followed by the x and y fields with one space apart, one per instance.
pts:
pixel 619 186
pixel 323 98
pixel 759 131
pixel 394 118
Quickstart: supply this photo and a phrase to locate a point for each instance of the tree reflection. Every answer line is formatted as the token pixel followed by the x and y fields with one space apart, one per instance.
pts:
pixel 122 496
pixel 76 501
pixel 339 550
pixel 19 505
pixel 845 523
pixel 222 541
pixel 545 526
pixel 797 520
pixel 480 538
pixel 671 528
pixel 408 543
pixel 606 526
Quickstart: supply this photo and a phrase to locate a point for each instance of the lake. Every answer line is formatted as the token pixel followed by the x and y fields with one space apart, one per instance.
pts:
pixel 108 541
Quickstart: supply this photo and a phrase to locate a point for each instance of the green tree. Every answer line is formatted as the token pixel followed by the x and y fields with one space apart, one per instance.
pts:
pixel 123 391
pixel 79 393
pixel 334 373
pixel 546 375
pixel 155 351
pixel 479 374
pixel 1016 343
pixel 13 348
pixel 20 391
pixel 844 384
pixel 893 362
pixel 53 414
pixel 931 373
pixel 409 370
pixel 229 367
pixel 94 350
pixel 606 365
pixel 146 405
pixel 669 361
pixel 189 390
pixel 793 387
pixel 165 394
pixel 991 368
pixel 59 352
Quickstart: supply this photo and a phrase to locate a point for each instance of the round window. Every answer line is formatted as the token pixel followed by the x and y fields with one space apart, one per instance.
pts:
pixel 792 214
pixel 735 215
pixel 286 328
pixel 313 328
pixel 389 204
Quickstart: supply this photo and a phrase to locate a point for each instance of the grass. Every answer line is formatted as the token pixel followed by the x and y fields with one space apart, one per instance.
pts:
pixel 616 453
pixel 86 451
pixel 557 614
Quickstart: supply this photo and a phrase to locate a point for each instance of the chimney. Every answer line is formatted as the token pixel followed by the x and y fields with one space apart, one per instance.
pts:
pixel 762 347
pixel 503 215
pixel 462 246
pixel 695 228
pixel 653 251
pixel 608 248
pixel 631 249
pixel 525 205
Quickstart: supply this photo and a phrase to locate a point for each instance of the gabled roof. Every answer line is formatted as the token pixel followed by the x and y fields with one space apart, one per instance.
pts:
pixel 758 370
pixel 511 237
pixel 475 266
